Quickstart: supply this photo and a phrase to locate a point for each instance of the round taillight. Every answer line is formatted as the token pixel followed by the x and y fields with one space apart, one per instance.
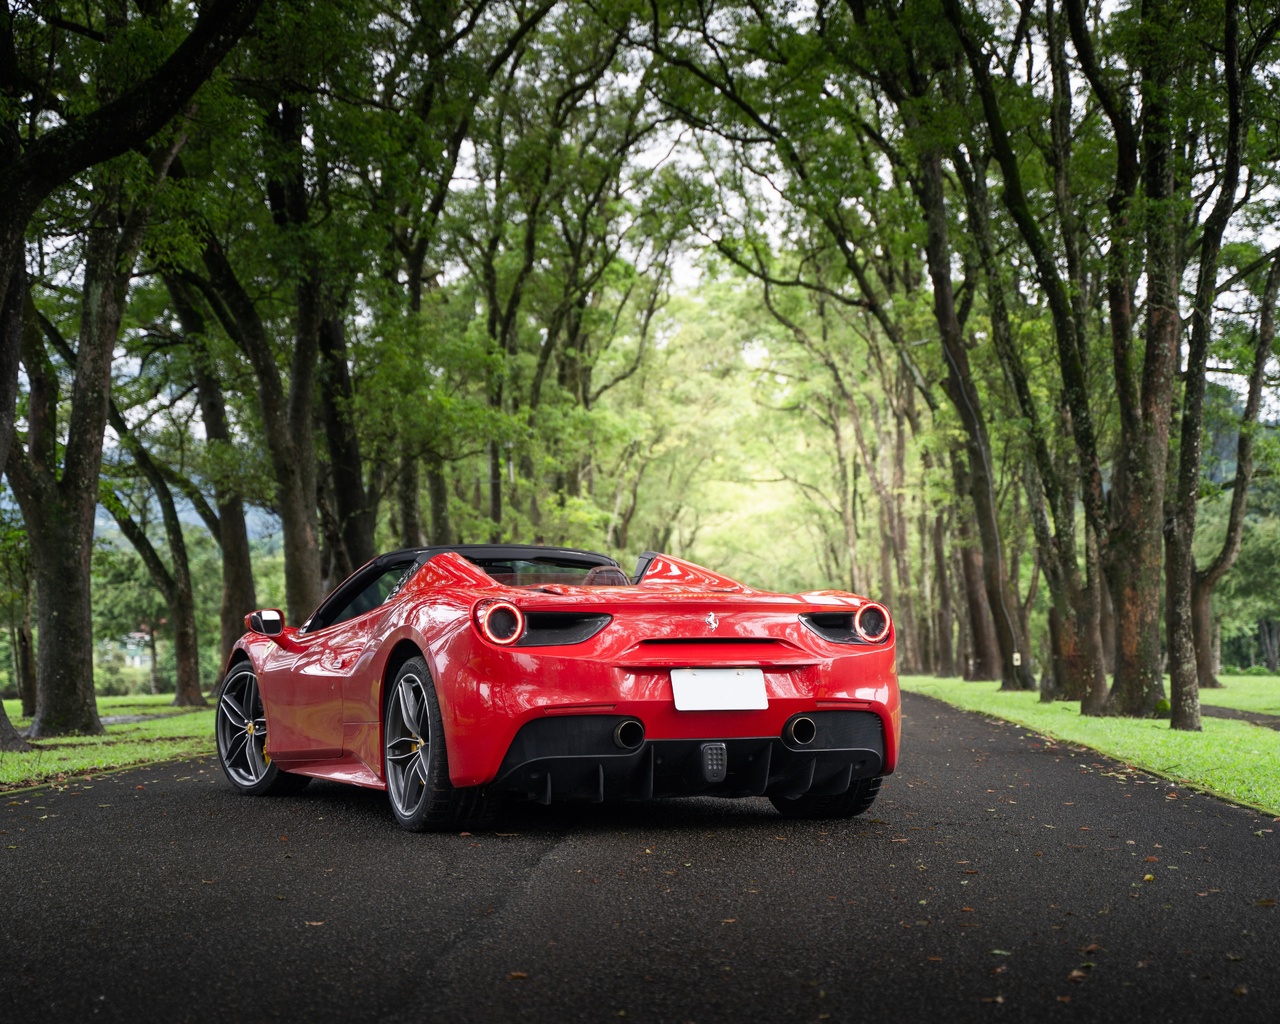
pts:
pixel 501 622
pixel 872 622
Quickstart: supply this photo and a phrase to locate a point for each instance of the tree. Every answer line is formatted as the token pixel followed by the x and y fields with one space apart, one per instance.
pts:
pixel 15 594
pixel 31 169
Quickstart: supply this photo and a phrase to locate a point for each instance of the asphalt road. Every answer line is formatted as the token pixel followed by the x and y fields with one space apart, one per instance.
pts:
pixel 999 877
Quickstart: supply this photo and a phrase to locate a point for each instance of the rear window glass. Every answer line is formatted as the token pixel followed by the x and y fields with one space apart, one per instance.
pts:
pixel 518 572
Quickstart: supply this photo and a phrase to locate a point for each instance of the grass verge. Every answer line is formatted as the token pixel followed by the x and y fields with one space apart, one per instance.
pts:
pixel 176 733
pixel 1234 760
pixel 1260 694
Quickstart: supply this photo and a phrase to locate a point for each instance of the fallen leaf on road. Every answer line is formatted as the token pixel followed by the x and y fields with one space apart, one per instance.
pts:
pixel 313 924
pixel 1077 975
pixel 730 920
pixel 1265 903
pixel 517 975
pixel 1002 952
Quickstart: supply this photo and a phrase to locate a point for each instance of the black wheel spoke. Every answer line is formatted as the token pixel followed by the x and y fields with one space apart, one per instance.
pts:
pixel 235 748
pixel 234 712
pixel 409 705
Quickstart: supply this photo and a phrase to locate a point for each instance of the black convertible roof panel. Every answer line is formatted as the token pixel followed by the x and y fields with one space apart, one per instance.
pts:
pixel 495 552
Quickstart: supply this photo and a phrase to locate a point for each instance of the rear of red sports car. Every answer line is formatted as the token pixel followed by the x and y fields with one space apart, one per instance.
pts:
pixel 534 678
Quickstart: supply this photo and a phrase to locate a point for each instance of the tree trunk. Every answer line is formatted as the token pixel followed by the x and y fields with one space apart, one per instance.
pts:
pixel 154 649
pixel 287 419
pixel 1269 634
pixel 407 488
pixel 356 517
pixel 186 649
pixel 10 738
pixel 495 492
pixel 1180 518
pixel 438 492
pixel 1090 622
pixel 962 390
pixel 61 494
pixel 25 658
pixel 1135 548
pixel 1108 623
pixel 1203 626
pixel 1204 580
pixel 11 327
pixel 65 702
pixel 945 626
pixel 1053 682
pixel 1216 660
pixel 239 596
pixel 886 594
pixel 984 662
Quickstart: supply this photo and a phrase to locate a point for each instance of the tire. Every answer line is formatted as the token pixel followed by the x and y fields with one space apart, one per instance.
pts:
pixel 849 804
pixel 415 761
pixel 240 728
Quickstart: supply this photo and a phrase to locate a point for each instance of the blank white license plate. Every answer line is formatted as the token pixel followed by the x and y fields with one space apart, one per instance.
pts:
pixel 719 689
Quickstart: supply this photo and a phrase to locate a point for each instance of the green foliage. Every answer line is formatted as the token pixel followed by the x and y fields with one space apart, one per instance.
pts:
pixel 659 270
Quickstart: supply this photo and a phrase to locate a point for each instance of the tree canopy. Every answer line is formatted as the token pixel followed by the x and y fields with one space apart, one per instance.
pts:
pixel 967 307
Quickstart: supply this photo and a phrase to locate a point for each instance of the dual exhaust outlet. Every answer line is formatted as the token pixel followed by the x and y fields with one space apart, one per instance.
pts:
pixel 799 731
pixel 628 735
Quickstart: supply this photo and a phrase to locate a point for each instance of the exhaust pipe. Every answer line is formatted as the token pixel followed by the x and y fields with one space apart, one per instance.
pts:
pixel 628 735
pixel 800 731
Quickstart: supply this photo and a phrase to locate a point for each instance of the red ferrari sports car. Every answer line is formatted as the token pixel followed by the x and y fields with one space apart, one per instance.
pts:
pixel 450 676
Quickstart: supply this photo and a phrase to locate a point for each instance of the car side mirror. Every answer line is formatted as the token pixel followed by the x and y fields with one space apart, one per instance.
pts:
pixel 267 621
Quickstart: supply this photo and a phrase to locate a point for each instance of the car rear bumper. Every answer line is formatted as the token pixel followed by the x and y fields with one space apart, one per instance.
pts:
pixel 599 757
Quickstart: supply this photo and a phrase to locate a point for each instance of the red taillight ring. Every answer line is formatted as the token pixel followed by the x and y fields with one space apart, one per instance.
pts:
pixel 484 618
pixel 866 634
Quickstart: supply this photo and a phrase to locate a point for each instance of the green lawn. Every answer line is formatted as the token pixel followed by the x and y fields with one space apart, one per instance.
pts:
pixel 1235 760
pixel 1247 693
pixel 179 733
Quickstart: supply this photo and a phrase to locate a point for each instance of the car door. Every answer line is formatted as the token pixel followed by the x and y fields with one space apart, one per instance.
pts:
pixel 303 687
pixel 302 692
